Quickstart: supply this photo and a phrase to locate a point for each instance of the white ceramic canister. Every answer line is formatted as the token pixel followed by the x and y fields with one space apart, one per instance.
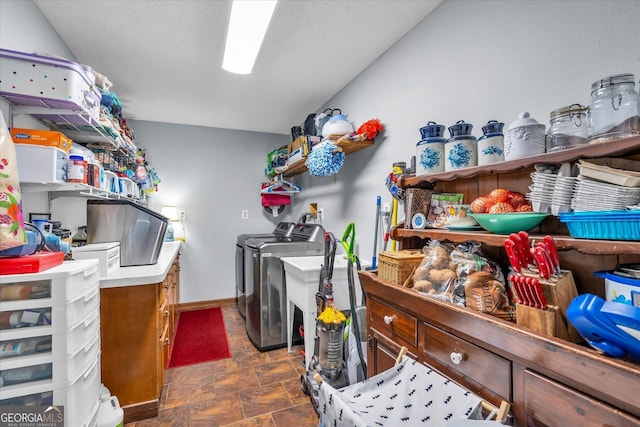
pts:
pixel 461 150
pixel 491 144
pixel 430 150
pixel 525 137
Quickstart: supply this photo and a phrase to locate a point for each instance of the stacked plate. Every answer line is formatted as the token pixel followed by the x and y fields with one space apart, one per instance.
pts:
pixel 591 195
pixel 551 193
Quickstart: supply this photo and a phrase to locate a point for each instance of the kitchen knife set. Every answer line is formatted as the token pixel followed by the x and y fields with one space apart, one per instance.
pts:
pixel 541 259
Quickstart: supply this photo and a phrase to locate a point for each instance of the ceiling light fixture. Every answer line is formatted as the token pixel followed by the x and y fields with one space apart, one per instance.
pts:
pixel 247 27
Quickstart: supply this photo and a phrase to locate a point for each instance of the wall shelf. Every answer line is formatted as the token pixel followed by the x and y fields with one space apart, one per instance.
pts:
pixel 348 147
pixel 586 246
pixel 613 148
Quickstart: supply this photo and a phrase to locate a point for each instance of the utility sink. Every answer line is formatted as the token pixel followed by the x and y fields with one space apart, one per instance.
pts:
pixel 302 275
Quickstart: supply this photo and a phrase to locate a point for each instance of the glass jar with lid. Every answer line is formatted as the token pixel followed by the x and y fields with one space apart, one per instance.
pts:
pixel 614 110
pixel 569 128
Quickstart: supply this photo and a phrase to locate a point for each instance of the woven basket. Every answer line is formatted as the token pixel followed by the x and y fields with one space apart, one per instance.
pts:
pixel 395 266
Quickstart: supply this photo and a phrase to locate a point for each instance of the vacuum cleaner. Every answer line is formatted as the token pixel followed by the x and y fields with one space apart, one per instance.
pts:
pixel 329 358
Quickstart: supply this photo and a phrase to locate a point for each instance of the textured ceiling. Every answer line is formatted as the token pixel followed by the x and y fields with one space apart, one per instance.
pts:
pixel 164 56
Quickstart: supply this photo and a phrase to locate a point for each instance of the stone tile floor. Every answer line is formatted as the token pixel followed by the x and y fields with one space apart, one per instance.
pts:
pixel 252 388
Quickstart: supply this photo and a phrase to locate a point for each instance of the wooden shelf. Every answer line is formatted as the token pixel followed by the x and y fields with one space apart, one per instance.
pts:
pixel 613 148
pixel 347 146
pixel 586 246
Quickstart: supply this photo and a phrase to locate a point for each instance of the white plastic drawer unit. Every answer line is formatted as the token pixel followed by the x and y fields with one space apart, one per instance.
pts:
pixel 50 335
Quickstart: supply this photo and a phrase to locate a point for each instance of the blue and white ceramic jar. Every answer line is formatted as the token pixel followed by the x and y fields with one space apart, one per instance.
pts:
pixel 461 150
pixel 430 150
pixel 491 143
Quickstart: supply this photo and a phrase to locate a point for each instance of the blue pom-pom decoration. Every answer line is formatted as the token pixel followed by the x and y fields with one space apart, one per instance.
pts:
pixel 325 160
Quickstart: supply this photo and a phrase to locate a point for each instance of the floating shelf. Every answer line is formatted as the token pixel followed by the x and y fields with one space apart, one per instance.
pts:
pixel 347 146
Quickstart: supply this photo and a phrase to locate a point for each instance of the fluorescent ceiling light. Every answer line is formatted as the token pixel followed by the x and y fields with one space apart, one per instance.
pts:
pixel 247 26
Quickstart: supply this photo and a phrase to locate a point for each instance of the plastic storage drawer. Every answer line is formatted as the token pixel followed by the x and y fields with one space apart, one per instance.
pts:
pixel 609 225
pixel 81 397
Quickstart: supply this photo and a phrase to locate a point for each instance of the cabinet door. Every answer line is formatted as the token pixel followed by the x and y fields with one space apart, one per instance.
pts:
pixel 129 335
pixel 549 403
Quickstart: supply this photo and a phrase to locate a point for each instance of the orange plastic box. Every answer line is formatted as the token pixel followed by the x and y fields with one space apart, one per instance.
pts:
pixel 47 138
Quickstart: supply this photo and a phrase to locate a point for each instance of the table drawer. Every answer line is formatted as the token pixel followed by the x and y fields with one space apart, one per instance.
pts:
pixel 394 322
pixel 569 406
pixel 448 352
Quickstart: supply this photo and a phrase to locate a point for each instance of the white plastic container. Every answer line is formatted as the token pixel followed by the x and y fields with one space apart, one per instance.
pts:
pixel 40 164
pixel 33 79
pixel 110 414
pixel 107 254
pixel 624 290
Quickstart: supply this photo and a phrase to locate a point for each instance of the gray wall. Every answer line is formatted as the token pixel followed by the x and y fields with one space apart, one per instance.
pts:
pixel 213 174
pixel 475 61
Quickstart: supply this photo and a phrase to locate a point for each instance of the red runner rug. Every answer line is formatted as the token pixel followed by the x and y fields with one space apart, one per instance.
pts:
pixel 201 337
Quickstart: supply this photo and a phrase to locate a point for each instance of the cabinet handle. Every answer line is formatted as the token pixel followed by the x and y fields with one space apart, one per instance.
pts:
pixel 164 338
pixel 389 319
pixel 456 358
pixel 166 313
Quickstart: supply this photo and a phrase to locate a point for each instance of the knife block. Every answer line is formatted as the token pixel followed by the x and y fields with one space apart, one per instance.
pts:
pixel 553 320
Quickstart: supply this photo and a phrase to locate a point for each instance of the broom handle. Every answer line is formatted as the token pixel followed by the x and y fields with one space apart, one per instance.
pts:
pixel 394 220
pixel 374 259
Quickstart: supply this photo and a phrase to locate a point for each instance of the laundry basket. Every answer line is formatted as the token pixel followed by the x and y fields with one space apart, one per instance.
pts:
pixel 409 393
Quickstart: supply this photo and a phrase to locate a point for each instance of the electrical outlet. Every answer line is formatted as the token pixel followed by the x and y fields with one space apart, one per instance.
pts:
pixel 245 214
pixel 320 213
pixel 386 207
pixel 182 214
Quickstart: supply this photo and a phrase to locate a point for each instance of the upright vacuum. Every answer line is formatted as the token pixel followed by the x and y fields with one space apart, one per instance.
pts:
pixel 330 357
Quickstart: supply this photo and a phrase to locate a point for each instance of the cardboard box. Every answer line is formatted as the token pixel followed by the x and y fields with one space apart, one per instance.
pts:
pixel 45 138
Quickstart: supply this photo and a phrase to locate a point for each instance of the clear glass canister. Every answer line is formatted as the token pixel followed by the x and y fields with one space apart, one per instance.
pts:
pixel 569 128
pixel 614 110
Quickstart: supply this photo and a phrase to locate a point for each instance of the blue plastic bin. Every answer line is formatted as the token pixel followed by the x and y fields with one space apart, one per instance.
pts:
pixel 609 225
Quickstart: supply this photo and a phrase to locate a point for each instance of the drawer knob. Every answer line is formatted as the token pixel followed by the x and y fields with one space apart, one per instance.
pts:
pixel 456 358
pixel 389 319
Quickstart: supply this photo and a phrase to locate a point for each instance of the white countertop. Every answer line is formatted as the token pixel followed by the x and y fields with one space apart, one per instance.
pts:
pixel 144 274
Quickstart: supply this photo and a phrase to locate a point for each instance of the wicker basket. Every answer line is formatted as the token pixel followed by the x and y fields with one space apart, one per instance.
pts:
pixel 396 266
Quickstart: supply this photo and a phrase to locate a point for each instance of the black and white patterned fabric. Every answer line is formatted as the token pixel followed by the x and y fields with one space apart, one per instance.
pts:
pixel 409 394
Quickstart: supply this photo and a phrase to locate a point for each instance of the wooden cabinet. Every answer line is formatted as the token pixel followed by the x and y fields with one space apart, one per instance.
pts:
pixel 499 360
pixel 550 382
pixel 137 330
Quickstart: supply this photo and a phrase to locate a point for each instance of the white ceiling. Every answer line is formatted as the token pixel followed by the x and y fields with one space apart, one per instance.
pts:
pixel 164 56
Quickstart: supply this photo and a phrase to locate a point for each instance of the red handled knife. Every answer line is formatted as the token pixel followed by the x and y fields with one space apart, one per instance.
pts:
pixel 543 261
pixel 553 252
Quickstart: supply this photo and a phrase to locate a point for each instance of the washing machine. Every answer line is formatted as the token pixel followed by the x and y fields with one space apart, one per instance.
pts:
pixel 282 229
pixel 266 292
